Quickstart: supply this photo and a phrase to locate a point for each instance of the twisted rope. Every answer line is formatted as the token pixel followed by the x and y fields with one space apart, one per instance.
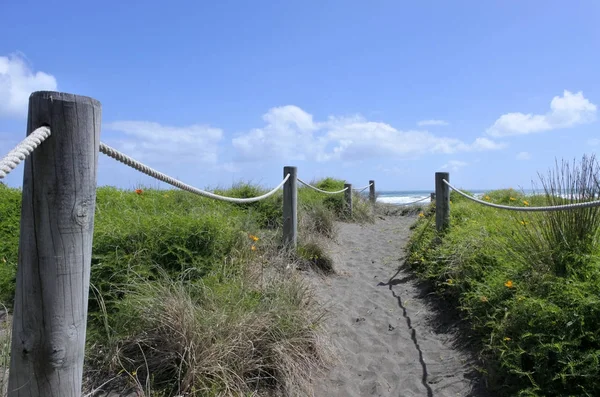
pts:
pixel 415 202
pixel 22 150
pixel 319 190
pixel 361 189
pixel 527 209
pixel 115 154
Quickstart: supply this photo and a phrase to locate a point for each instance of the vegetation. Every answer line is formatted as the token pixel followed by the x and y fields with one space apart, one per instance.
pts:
pixel 194 296
pixel 528 283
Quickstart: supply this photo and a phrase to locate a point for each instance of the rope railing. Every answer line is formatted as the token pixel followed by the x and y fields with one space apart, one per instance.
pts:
pixel 9 162
pixel 563 207
pixel 415 202
pixel 321 191
pixel 362 189
pixel 123 158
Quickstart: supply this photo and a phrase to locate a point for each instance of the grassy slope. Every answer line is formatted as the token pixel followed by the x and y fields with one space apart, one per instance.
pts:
pixel 202 279
pixel 539 330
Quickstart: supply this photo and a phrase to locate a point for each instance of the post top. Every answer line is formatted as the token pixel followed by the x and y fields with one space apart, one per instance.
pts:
pixel 64 97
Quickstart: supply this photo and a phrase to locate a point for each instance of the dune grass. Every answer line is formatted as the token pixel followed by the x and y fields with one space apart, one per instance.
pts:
pixel 194 296
pixel 528 283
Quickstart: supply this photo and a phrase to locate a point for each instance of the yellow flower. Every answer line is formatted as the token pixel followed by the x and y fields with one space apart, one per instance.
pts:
pixel 484 299
pixel 487 198
pixel 253 248
pixel 506 338
pixel 421 215
pixel 520 298
pixel 525 202
pixel 450 281
pixel 253 237
pixel 133 373
pixel 512 199
pixel 524 223
pixel 508 284
pixel 166 195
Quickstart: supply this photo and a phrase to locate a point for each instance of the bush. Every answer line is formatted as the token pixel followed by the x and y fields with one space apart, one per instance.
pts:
pixel 10 215
pixel 528 284
pixel 216 338
pixel 316 257
pixel 194 291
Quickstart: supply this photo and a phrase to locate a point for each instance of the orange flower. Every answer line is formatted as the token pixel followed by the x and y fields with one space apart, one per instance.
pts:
pixel 253 237
pixel 508 284
pixel 139 191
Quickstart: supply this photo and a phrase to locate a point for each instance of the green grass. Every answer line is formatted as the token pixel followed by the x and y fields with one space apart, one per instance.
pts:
pixel 192 295
pixel 529 285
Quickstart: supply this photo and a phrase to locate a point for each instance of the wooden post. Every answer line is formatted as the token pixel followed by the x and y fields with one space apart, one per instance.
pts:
pixel 442 201
pixel 348 199
pixel 372 191
pixel 55 248
pixel 290 207
pixel 432 197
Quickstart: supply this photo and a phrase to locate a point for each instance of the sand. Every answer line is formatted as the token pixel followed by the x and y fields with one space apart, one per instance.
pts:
pixel 384 327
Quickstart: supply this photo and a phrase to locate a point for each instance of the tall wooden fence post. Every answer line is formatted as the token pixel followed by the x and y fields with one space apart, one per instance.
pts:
pixel 55 248
pixel 372 191
pixel 348 199
pixel 442 201
pixel 290 207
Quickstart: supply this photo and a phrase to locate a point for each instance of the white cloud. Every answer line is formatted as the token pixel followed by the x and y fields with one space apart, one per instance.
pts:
pixel 148 141
pixel 523 156
pixel 17 82
pixel 291 133
pixel 566 111
pixel 423 123
pixel 454 165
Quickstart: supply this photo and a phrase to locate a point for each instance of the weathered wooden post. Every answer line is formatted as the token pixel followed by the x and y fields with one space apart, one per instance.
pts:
pixel 372 191
pixel 432 197
pixel 442 201
pixel 55 248
pixel 348 199
pixel 290 207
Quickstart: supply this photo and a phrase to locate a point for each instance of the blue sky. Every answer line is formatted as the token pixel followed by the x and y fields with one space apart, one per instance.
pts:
pixel 226 91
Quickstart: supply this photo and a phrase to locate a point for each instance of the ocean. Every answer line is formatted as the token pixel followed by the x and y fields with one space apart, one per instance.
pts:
pixel 401 197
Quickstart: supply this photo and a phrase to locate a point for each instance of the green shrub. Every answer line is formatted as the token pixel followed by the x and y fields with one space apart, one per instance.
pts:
pixel 537 323
pixel 10 215
pixel 316 256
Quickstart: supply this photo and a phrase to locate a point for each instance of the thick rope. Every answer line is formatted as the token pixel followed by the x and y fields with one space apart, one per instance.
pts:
pixel 22 150
pixel 115 154
pixel 362 189
pixel 527 209
pixel 415 202
pixel 319 190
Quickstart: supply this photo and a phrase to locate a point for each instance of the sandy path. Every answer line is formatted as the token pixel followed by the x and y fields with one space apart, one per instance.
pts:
pixel 380 325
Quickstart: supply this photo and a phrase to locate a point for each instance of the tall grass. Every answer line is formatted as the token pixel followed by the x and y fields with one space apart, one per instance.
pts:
pixel 5 338
pixel 562 242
